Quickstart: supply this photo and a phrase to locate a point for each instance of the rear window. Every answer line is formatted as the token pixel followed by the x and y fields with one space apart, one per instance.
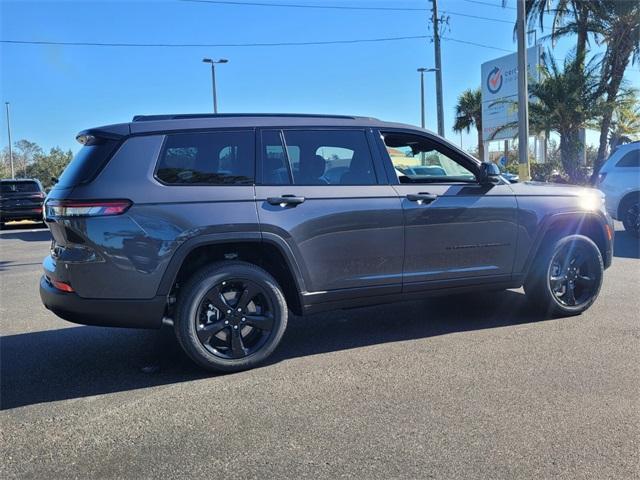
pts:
pixel 630 159
pixel 213 158
pixel 19 187
pixel 87 163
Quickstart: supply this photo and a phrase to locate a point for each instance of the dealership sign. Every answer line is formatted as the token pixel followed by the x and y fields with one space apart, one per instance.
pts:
pixel 500 91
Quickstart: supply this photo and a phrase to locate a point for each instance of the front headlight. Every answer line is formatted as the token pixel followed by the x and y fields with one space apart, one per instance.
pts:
pixel 591 200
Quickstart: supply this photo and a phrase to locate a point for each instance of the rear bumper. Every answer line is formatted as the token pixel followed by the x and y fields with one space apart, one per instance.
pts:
pixel 103 312
pixel 21 214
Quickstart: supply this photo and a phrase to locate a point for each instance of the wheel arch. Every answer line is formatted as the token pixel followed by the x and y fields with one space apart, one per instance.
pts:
pixel 592 225
pixel 271 254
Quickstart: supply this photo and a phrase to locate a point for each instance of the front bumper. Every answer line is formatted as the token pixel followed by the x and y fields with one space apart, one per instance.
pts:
pixel 128 313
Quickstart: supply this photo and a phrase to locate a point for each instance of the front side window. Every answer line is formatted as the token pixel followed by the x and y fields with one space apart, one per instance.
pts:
pixel 418 159
pixel 213 158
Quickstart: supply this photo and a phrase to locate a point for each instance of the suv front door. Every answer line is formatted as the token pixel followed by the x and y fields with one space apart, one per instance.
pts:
pixel 318 192
pixel 457 230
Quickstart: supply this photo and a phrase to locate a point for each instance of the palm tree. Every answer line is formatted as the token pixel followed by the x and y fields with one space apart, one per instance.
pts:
pixel 617 24
pixel 569 17
pixel 565 100
pixel 625 124
pixel 469 114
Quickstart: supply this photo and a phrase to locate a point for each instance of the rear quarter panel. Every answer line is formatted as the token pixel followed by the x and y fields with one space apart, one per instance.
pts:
pixel 134 249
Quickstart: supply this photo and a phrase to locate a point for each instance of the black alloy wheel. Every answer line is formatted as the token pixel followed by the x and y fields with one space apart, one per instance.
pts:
pixel 573 277
pixel 230 316
pixel 234 319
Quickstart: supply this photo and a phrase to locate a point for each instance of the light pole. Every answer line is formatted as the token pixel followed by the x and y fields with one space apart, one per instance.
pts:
pixel 6 104
pixel 422 71
pixel 213 79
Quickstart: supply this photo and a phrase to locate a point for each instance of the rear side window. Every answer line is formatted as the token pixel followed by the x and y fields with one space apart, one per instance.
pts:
pixel 317 157
pixel 87 163
pixel 630 159
pixel 8 188
pixel 213 158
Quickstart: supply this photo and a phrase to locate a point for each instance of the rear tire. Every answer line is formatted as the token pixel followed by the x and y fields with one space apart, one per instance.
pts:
pixel 230 316
pixel 566 277
pixel 630 215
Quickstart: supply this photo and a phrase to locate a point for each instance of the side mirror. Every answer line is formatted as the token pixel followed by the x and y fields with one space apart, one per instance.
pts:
pixel 489 173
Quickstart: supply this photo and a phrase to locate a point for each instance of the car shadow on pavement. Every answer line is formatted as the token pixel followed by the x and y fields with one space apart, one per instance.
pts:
pixel 83 361
pixel 626 245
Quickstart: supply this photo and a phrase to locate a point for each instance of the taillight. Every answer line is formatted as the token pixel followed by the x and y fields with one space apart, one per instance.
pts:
pixel 86 208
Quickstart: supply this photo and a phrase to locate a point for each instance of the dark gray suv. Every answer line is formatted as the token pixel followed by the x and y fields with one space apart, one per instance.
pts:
pixel 221 224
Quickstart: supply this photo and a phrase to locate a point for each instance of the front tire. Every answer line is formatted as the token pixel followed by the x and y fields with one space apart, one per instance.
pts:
pixel 566 277
pixel 230 316
pixel 630 210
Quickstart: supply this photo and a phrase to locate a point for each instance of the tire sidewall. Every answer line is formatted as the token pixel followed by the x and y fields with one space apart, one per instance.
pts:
pixel 193 294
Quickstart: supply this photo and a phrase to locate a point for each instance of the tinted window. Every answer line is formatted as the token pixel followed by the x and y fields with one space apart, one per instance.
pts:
pixel 417 159
pixel 275 169
pixel 630 159
pixel 87 163
pixel 19 187
pixel 216 158
pixel 329 157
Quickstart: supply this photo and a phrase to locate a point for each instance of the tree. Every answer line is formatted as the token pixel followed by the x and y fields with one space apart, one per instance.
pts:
pixel 46 167
pixel 24 154
pixel 625 123
pixel 570 17
pixel 617 24
pixel 566 99
pixel 469 114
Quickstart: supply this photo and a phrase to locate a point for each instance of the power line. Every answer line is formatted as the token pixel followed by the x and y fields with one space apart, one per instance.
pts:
pixel 489 4
pixel 239 45
pixel 345 7
pixel 296 5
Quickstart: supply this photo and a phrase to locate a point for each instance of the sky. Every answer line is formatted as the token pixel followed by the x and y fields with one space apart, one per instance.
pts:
pixel 57 90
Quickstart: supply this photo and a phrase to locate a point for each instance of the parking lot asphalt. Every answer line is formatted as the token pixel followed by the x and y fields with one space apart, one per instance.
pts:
pixel 471 386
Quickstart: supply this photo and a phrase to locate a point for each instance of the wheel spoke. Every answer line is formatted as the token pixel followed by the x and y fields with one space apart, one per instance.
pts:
pixel 237 345
pixel 570 296
pixel 215 298
pixel 246 296
pixel 262 322
pixel 584 280
pixel 556 281
pixel 207 331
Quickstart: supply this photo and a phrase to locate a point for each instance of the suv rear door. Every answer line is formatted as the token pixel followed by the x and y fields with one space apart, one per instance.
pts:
pixel 456 229
pixel 320 193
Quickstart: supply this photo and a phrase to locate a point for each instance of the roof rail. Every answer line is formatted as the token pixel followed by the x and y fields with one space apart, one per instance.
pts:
pixel 182 116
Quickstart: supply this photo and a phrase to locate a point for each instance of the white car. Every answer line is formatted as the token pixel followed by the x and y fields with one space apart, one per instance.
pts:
pixel 619 179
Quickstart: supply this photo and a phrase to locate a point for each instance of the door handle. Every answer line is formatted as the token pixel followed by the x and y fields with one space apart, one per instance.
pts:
pixel 285 200
pixel 422 197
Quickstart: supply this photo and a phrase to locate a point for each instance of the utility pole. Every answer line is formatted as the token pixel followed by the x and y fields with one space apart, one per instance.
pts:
pixel 523 96
pixel 13 175
pixel 436 45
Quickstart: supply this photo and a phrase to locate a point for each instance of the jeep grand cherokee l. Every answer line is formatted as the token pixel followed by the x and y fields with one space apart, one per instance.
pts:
pixel 222 224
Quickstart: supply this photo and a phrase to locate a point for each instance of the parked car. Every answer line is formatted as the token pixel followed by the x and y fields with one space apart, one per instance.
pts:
pixel 20 199
pixel 222 224
pixel 619 179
